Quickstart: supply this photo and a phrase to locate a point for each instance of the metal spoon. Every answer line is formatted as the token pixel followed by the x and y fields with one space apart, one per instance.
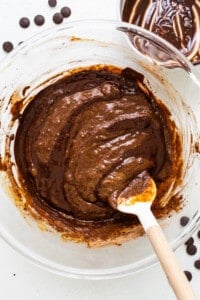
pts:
pixel 137 199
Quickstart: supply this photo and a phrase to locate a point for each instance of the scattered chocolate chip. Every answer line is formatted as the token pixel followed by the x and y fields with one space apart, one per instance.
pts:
pixel 39 20
pixel 65 11
pixel 197 264
pixel 189 242
pixel 188 275
pixel 184 221
pixel 191 249
pixel 198 234
pixel 24 22
pixel 52 3
pixel 7 46
pixel 57 18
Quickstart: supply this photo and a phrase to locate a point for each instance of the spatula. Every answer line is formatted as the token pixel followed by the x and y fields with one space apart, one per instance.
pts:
pixel 137 199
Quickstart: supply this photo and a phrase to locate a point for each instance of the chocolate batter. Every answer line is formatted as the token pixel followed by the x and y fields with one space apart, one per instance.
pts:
pixel 177 21
pixel 84 138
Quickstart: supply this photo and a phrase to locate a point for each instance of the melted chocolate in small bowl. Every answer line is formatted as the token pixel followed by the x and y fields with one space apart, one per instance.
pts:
pixel 87 136
pixel 178 22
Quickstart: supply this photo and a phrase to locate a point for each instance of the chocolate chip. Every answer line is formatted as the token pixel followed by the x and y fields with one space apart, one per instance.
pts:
pixel 197 264
pixel 189 242
pixel 65 11
pixel 184 221
pixel 39 20
pixel 52 3
pixel 191 249
pixel 57 18
pixel 7 46
pixel 24 22
pixel 198 234
pixel 188 275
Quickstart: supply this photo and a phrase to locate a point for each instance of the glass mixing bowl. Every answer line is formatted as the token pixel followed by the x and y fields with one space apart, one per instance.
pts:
pixel 48 56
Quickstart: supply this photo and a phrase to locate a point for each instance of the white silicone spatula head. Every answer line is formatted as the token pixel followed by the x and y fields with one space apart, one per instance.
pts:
pixel 137 199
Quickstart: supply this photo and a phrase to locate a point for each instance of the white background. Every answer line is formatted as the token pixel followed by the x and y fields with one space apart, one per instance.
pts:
pixel 19 279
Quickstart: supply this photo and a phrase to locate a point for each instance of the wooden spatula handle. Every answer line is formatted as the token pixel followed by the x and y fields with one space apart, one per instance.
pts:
pixel 170 264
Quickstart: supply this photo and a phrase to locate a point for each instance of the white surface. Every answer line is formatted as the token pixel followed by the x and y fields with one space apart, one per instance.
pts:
pixel 30 282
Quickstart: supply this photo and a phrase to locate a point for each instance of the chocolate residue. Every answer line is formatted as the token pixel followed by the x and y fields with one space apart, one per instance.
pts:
pixel 86 136
pixel 178 22
pixel 137 189
pixel 25 89
pixel 197 147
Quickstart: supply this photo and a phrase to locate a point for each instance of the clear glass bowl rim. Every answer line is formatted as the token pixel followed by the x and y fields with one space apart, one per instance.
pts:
pixel 108 272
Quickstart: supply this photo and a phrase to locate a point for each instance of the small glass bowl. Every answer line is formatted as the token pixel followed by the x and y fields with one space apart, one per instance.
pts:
pixel 172 79
pixel 120 11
